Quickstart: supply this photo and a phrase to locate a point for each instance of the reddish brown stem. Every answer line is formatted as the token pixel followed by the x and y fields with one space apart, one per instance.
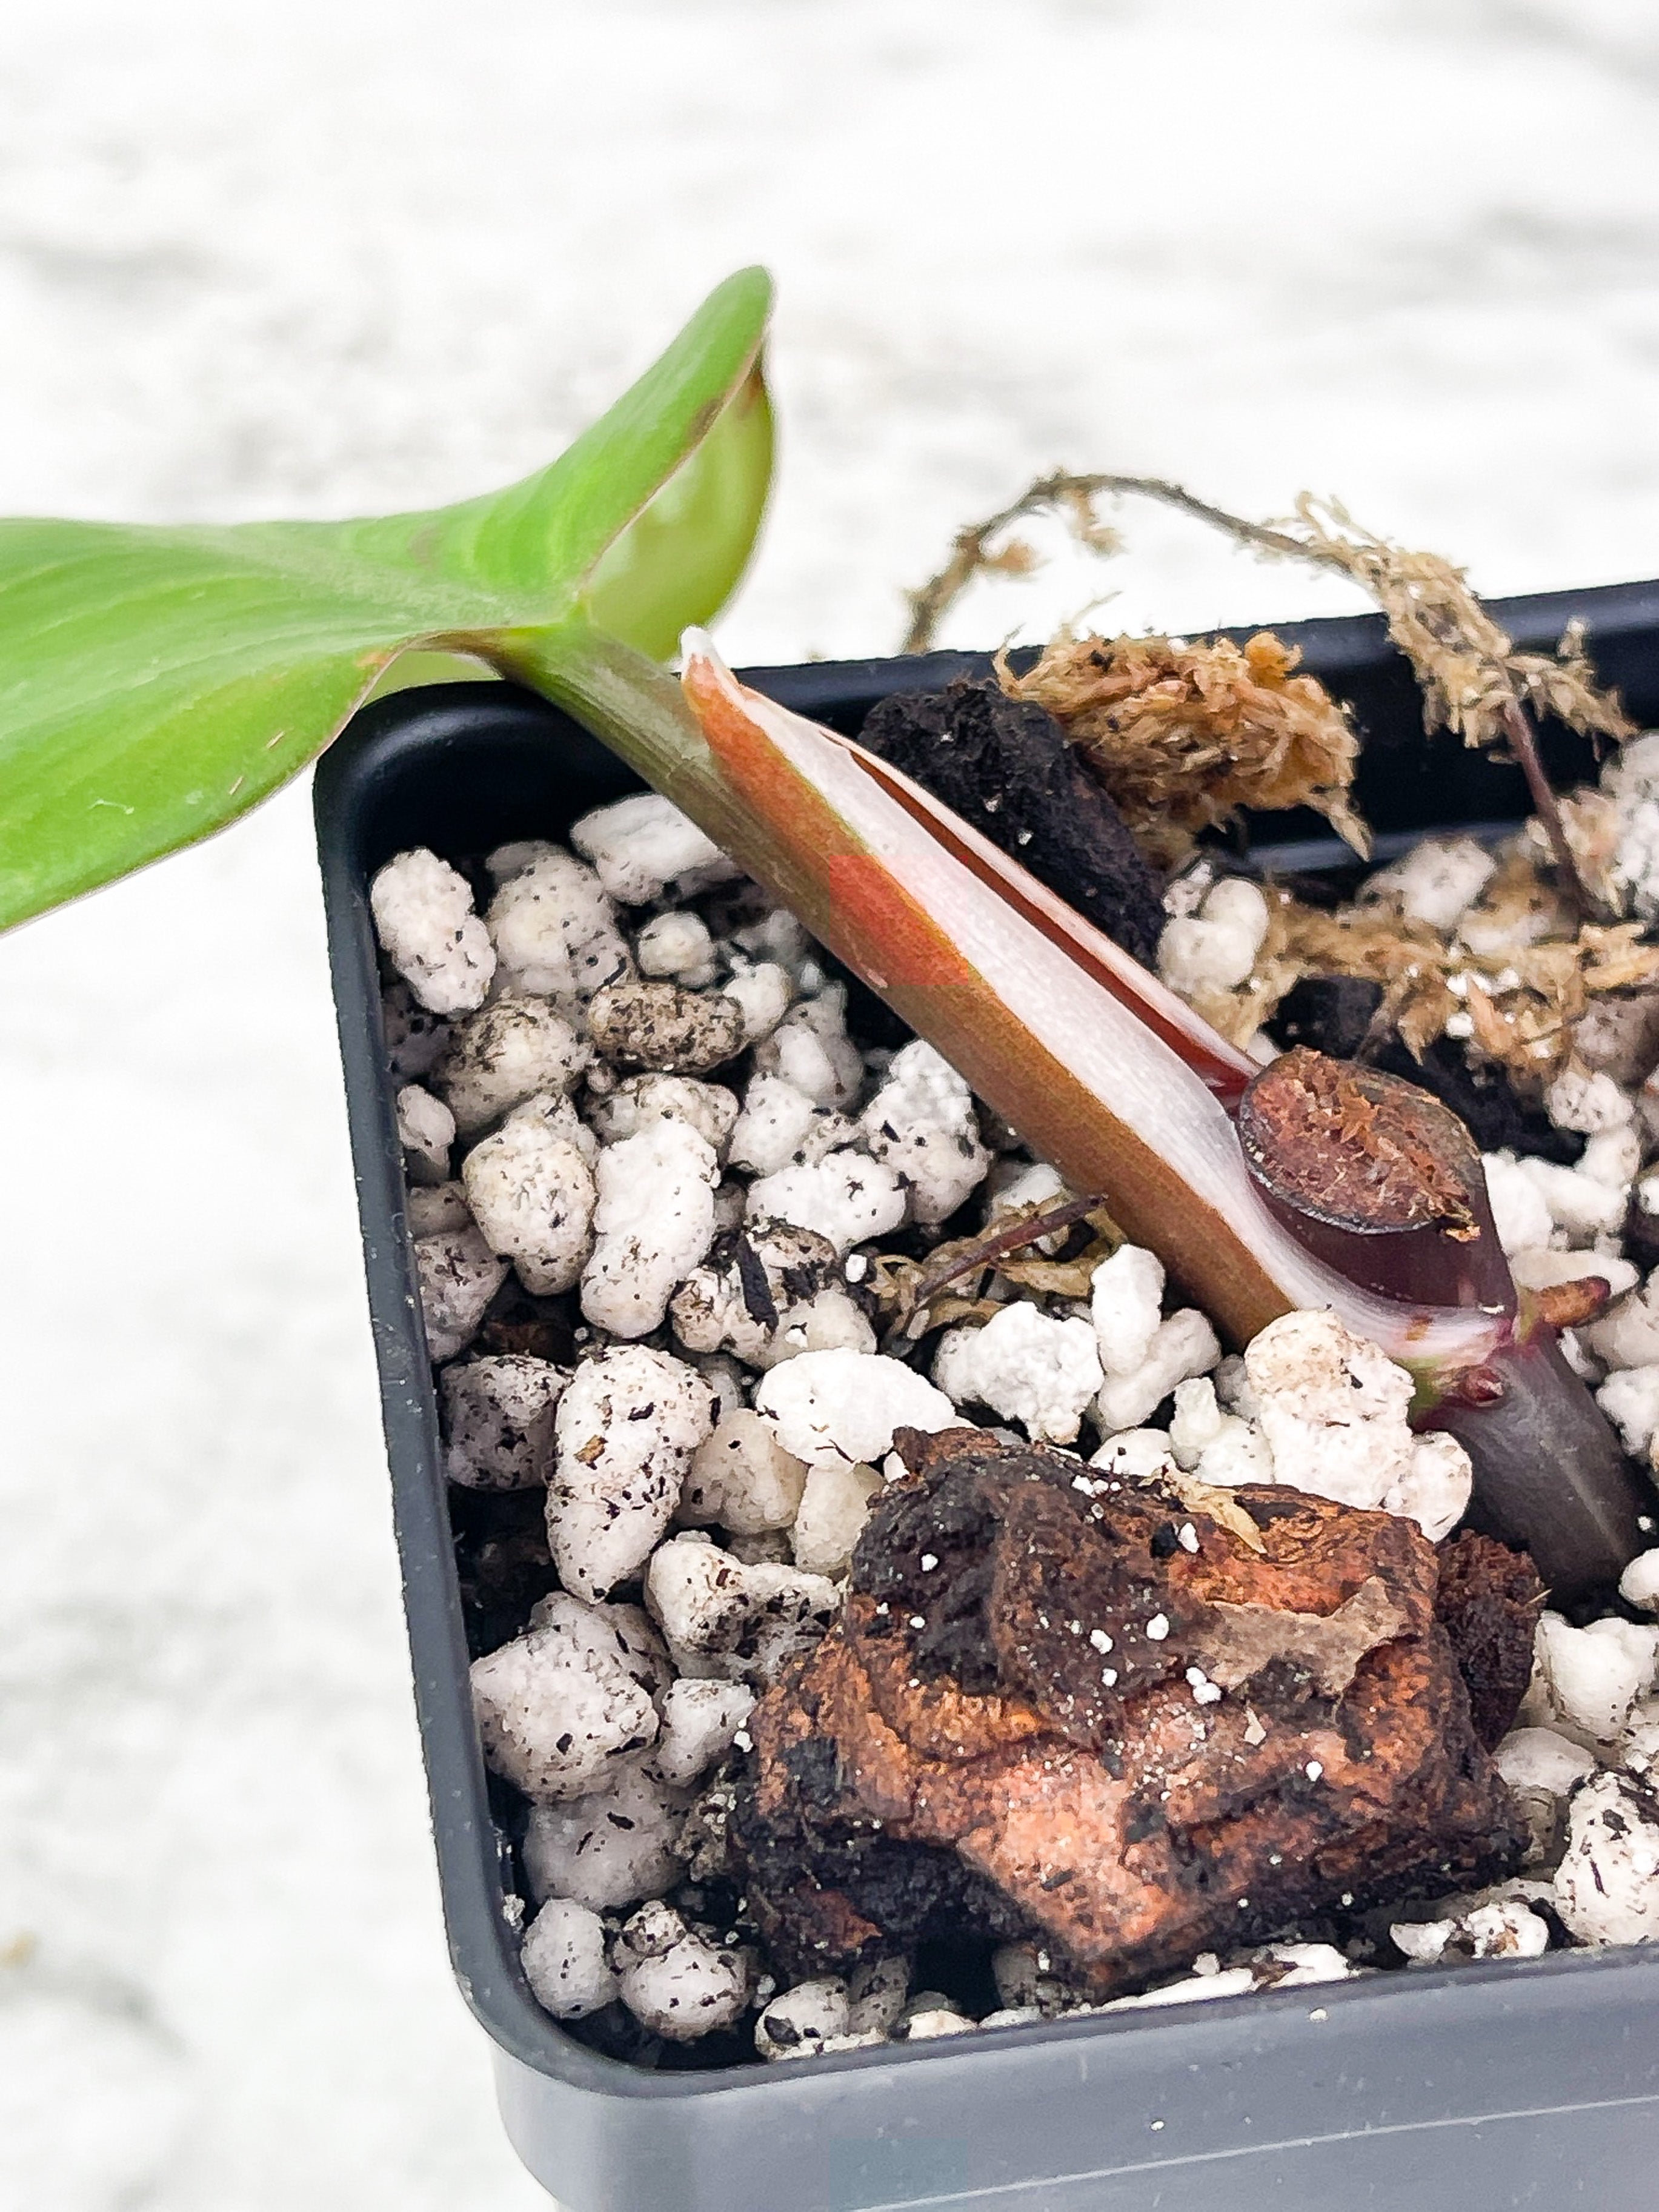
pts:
pixel 990 1248
pixel 1523 744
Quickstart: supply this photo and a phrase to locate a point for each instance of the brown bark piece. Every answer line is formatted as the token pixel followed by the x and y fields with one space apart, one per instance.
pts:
pixel 1488 1601
pixel 1014 1729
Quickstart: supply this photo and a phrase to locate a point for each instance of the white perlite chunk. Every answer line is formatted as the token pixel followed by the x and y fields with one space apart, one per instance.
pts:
pixel 1028 1976
pixel 564 1961
pixel 611 1848
pixel 1333 1408
pixel 561 1705
pixel 841 1408
pixel 725 1619
pixel 1508 1929
pixel 931 2021
pixel 1629 1332
pixel 1630 1398
pixel 1543 1767
pixel 554 929
pixel 751 1288
pixel 1215 949
pixel 1435 1488
pixel 674 1981
pixel 741 1479
pixel 1135 1454
pixel 414 1039
pixel 763 993
pixel 643 846
pixel 1126 1302
pixel 1578 1205
pixel 1540 1270
pixel 1216 1446
pixel 1027 1366
pixel 778 935
pixel 798 2024
pixel 1607 1886
pixel 922 1123
pixel 625 1432
pixel 516 1048
pixel 1194 1988
pixel 423 917
pixel 426 1130
pixel 877 1992
pixel 1630 780
pixel 431 1208
pixel 459 1275
pixel 810 1048
pixel 1197 1421
pixel 1587 1103
pixel 1519 1214
pixel 1639 1583
pixel 846 1197
pixel 1591 1677
pixel 639 1100
pixel 1612 1156
pixel 699 1720
pixel 677 944
pixel 1180 1348
pixel 834 1508
pixel 531 1193
pixel 498 1420
pixel 1639 1749
pixel 831 1321
pixel 779 1124
pixel 1306 1964
pixel 1437 882
pixel 663 1028
pixel 653 1222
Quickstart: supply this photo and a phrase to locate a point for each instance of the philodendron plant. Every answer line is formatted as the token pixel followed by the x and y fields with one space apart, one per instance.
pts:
pixel 159 682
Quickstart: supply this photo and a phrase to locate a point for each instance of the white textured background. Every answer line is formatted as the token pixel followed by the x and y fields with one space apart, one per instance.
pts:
pixel 340 255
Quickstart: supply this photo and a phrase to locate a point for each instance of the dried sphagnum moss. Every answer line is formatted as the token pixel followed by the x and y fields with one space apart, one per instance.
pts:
pixel 1472 680
pixel 1521 968
pixel 1184 736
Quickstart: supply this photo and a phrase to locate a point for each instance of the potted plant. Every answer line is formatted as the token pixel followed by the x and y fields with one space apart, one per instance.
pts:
pixel 567 585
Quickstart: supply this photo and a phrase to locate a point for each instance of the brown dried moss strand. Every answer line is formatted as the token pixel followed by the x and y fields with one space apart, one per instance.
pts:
pixel 1355 1147
pixel 1528 1027
pixel 1473 680
pixel 973 1255
pixel 972 554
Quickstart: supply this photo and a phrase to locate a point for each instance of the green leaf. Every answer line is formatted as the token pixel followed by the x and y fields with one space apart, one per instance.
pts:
pixel 690 545
pixel 156 682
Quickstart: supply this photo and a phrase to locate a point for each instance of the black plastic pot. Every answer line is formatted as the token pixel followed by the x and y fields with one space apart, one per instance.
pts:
pixel 1476 2087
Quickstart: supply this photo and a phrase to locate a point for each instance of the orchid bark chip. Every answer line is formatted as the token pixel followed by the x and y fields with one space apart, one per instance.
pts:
pixel 1103 1719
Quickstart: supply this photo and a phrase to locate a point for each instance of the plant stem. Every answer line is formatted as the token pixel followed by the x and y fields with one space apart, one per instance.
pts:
pixel 998 1243
pixel 1523 744
pixel 1567 1492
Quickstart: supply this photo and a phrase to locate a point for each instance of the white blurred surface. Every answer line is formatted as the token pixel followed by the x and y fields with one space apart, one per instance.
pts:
pixel 346 256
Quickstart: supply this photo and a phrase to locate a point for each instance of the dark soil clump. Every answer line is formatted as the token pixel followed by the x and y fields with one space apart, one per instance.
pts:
pixel 1005 766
